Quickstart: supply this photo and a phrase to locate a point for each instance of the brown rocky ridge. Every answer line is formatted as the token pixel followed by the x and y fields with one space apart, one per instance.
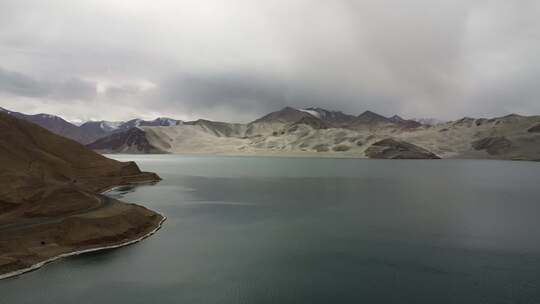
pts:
pixel 50 198
pixel 389 148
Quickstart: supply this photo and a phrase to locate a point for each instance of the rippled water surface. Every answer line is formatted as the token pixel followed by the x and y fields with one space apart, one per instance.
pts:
pixel 307 230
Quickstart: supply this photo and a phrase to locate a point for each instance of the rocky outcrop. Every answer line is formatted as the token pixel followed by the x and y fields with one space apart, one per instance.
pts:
pixel 371 118
pixel 95 130
pixel 534 129
pixel 133 140
pixel 285 115
pixel 464 122
pixel 160 122
pixel 493 145
pixel 313 122
pixel 405 123
pixel 395 149
pixel 321 148
pixel 335 119
pixel 341 148
pixel 50 197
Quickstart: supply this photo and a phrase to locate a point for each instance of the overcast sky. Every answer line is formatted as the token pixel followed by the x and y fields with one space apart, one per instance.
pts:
pixel 234 60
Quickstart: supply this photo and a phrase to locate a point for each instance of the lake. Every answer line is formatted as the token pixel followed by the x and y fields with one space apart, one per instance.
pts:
pixel 310 230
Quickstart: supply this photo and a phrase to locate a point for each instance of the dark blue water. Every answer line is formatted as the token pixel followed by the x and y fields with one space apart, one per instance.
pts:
pixel 306 230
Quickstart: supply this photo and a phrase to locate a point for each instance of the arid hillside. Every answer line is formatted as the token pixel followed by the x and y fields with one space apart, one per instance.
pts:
pixel 325 133
pixel 50 201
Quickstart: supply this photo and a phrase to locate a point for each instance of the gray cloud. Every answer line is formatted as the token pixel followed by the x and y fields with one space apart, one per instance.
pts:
pixel 258 94
pixel 19 84
pixel 239 59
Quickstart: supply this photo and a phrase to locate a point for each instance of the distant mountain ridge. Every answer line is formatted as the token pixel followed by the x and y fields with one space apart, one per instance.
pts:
pixel 319 131
pixel 334 119
pixel 285 115
pixel 89 131
pixel 54 124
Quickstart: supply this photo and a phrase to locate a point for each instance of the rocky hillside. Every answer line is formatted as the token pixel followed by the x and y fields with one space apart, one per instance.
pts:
pixel 322 132
pixel 132 141
pixel 89 131
pixel 49 197
pixel 56 125
pixel 100 129
pixel 506 137
pixel 395 149
pixel 335 119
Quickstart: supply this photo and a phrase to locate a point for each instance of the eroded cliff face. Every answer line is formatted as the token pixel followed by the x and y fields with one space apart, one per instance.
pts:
pixel 50 201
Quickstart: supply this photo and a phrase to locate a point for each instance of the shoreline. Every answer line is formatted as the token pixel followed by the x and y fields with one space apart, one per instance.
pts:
pixel 312 155
pixel 89 250
pixel 141 183
pixel 79 252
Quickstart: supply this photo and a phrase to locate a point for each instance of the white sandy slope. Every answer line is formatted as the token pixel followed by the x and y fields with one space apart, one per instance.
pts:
pixel 447 140
pixel 191 139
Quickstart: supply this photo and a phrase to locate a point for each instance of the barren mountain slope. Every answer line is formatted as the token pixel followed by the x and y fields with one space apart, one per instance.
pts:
pixel 220 129
pixel 192 139
pixel 56 125
pixel 456 139
pixel 49 197
pixel 131 141
pixel 510 137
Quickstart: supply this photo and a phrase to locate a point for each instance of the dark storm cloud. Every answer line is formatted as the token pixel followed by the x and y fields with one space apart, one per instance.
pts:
pixel 236 90
pixel 237 59
pixel 259 94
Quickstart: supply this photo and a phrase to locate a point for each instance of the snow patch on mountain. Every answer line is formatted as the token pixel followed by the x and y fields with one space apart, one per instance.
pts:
pixel 311 112
pixel 164 121
pixel 110 125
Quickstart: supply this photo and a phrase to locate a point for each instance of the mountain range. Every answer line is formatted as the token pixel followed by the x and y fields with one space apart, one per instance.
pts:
pixel 321 132
pixel 89 131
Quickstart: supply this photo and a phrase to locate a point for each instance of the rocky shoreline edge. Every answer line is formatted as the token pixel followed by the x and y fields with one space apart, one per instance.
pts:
pixel 79 252
pixel 39 265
